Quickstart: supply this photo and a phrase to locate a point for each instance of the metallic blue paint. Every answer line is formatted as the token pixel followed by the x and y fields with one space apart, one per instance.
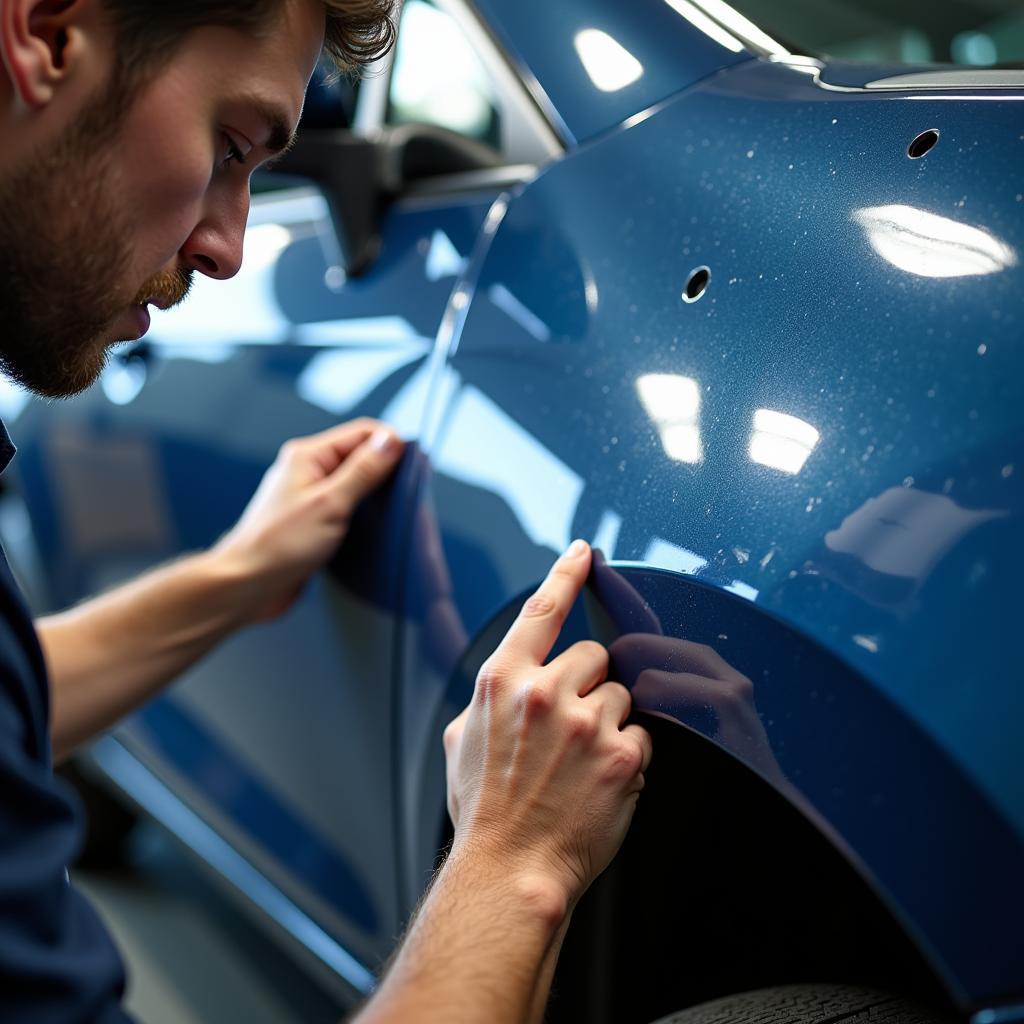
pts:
pixel 814 469
pixel 868 304
pixel 542 38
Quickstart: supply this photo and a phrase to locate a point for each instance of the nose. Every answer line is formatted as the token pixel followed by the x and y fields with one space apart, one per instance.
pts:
pixel 214 247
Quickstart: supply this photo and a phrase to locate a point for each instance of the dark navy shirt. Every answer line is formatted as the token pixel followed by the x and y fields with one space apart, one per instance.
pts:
pixel 57 963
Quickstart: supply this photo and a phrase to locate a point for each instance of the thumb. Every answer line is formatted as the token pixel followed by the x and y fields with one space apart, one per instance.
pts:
pixel 365 469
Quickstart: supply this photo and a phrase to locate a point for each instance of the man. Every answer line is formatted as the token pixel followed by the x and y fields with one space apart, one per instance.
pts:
pixel 129 132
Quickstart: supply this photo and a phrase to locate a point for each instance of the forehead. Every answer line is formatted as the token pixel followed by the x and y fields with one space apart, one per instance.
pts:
pixel 271 68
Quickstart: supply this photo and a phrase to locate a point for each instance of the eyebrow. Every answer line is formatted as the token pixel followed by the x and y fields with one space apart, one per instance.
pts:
pixel 282 135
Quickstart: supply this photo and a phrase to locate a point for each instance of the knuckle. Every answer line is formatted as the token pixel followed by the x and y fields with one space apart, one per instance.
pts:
pixel 489 679
pixel 625 760
pixel 538 605
pixel 591 651
pixel 536 698
pixel 616 691
pixel 364 470
pixel 451 733
pixel 582 725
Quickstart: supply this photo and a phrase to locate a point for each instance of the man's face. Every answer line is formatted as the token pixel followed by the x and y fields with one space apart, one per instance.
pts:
pixel 128 200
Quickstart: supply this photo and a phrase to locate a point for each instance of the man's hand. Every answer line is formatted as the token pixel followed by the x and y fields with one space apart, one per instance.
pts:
pixel 543 777
pixel 301 511
pixel 543 772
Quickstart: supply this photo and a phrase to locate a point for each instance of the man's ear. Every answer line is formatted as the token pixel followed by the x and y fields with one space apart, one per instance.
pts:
pixel 38 45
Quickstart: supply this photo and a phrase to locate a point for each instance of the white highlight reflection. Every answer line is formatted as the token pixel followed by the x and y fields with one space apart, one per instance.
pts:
pixel 673 403
pixel 743 590
pixel 928 245
pixel 610 65
pixel 339 379
pixel 607 534
pixel 782 441
pixel 742 26
pixel 700 21
pixel 486 448
pixel 443 259
pixel 501 297
pixel 663 554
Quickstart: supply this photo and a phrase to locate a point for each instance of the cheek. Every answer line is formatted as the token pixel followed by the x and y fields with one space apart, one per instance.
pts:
pixel 164 188
pixel 170 208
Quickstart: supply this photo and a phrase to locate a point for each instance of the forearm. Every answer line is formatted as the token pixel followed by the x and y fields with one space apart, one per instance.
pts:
pixel 107 656
pixel 542 990
pixel 481 949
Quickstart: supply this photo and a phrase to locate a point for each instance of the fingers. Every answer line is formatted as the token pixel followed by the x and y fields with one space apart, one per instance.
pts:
pixel 365 468
pixel 643 739
pixel 534 633
pixel 615 703
pixel 581 668
pixel 331 447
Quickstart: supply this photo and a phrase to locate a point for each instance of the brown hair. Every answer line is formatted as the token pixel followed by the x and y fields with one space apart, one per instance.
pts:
pixel 358 31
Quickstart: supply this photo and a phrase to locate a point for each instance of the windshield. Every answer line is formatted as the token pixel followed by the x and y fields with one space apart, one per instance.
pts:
pixel 972 32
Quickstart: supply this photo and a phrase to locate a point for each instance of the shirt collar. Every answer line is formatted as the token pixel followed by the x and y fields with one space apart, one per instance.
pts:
pixel 7 449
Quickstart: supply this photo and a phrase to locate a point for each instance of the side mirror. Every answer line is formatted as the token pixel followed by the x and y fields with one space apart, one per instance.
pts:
pixel 346 167
pixel 360 176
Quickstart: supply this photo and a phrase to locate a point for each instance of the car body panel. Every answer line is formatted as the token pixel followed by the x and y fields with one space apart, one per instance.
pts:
pixel 648 45
pixel 869 308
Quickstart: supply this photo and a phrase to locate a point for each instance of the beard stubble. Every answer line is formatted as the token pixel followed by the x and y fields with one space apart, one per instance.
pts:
pixel 65 247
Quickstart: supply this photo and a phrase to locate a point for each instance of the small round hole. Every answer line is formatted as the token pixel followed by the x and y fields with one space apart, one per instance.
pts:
pixel 923 143
pixel 696 284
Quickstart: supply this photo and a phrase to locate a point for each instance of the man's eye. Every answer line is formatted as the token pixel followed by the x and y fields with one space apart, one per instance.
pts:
pixel 231 152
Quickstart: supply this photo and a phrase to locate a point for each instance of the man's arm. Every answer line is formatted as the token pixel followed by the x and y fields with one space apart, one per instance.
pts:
pixel 110 654
pixel 543 778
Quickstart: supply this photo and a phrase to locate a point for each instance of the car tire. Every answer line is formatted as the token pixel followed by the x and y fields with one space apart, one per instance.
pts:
pixel 807 1004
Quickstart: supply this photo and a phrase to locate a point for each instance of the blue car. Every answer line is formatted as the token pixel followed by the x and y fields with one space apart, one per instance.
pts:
pixel 733 292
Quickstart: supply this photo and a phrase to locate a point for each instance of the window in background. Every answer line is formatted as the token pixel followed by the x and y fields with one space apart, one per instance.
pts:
pixel 971 32
pixel 438 78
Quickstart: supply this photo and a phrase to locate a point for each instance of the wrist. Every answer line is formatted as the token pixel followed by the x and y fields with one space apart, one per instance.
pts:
pixel 232 583
pixel 524 890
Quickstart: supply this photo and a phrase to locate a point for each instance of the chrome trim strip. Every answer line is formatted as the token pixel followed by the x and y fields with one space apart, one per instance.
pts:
pixel 813 67
pixel 145 789
pixel 953 78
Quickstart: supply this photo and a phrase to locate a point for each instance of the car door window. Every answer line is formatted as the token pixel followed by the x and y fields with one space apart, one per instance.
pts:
pixel 438 78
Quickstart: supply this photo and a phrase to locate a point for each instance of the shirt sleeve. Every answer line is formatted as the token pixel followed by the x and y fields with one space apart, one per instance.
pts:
pixel 58 965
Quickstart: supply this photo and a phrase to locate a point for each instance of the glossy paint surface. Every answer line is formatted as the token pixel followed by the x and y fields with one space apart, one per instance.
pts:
pixel 601 62
pixel 831 432
pixel 806 480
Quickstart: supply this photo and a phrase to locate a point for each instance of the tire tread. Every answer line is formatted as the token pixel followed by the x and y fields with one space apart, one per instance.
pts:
pixel 805 1004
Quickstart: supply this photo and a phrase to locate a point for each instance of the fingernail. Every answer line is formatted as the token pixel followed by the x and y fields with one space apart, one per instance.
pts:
pixel 384 441
pixel 576 548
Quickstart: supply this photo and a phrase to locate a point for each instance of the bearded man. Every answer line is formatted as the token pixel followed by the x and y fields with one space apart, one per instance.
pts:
pixel 129 133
